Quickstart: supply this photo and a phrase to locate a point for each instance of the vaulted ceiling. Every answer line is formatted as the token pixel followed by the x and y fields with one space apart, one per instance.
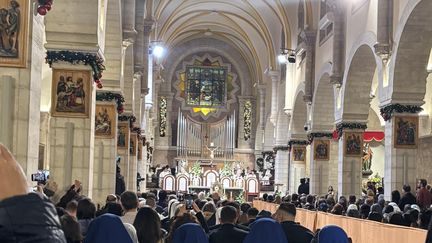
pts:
pixel 253 27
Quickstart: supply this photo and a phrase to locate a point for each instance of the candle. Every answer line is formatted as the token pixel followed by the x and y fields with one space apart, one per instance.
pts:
pixel 211 144
pixel 231 195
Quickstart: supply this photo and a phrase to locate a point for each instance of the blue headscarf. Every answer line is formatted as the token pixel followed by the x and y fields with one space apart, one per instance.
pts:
pixel 265 230
pixel 332 234
pixel 190 233
pixel 107 228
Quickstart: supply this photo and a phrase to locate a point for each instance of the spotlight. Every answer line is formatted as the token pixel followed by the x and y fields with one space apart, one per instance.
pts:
pixel 282 59
pixel 292 58
pixel 158 51
pixel 287 56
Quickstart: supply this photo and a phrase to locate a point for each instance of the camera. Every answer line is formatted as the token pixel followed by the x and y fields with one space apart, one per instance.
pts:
pixel 40 176
pixel 188 201
pixel 305 127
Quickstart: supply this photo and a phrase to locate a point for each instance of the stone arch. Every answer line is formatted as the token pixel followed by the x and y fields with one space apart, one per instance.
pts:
pixel 299 116
pixel 407 71
pixel 357 83
pixel 323 108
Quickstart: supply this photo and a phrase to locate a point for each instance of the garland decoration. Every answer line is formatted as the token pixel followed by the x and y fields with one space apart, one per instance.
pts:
pixel 131 118
pixel 44 6
pixel 387 111
pixel 162 116
pixel 347 125
pixel 281 148
pixel 109 96
pixel 313 135
pixel 76 58
pixel 298 142
pixel 247 117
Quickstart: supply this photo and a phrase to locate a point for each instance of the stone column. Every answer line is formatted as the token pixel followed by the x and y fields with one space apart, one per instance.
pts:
pixel 259 145
pixel 350 164
pixel 320 152
pixel 282 167
pixel 274 75
pixel 400 156
pixel 123 153
pixel 72 144
pixel 20 95
pixel 104 167
pixel 133 163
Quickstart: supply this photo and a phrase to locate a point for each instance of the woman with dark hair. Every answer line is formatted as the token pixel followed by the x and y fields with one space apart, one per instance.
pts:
pixel 209 212
pixel 395 197
pixel 86 212
pixel 148 226
pixel 337 209
pixel 71 229
pixel 179 221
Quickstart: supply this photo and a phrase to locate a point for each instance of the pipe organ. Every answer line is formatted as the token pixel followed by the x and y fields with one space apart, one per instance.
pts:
pixel 197 140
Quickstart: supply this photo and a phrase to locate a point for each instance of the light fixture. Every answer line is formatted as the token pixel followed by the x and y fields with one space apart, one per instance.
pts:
pixel 158 51
pixel 287 56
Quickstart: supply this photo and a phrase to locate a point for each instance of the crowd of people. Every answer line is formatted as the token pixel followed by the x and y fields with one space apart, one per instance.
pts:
pixel 161 217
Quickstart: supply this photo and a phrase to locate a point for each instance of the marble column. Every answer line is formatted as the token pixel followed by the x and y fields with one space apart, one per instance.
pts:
pixel 104 166
pixel 275 76
pixel 282 168
pixel 259 142
pixel 133 163
pixel 400 160
pixel 350 165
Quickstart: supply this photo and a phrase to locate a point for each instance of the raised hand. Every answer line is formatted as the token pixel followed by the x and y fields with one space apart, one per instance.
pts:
pixel 12 178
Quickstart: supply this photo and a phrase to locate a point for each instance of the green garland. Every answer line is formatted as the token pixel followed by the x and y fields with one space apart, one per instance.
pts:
pixel 131 118
pixel 351 126
pixel 387 111
pixel 298 142
pixel 313 135
pixel 76 58
pixel 196 169
pixel 109 96
pixel 281 148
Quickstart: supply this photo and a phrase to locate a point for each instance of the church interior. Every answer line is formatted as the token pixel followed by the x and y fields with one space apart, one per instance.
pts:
pixel 240 97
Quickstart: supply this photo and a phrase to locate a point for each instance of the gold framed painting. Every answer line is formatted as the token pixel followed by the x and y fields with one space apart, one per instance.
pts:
pixel 353 144
pixel 405 132
pixel 123 135
pixel 71 93
pixel 299 154
pixel 105 121
pixel 140 145
pixel 133 144
pixel 321 149
pixel 13 32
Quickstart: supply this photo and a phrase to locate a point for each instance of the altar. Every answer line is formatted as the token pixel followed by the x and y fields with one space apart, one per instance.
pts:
pixel 228 179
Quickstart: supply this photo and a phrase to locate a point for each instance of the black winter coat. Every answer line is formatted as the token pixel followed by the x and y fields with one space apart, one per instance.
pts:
pixel 29 218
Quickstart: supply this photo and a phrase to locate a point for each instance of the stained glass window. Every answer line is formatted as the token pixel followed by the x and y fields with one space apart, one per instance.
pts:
pixel 206 86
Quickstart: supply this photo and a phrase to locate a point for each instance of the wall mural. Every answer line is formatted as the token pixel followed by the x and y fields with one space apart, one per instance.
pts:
pixel 13 33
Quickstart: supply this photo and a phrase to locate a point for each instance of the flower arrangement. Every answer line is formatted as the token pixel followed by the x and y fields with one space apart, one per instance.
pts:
pixel 195 170
pixel 240 198
pixel 226 171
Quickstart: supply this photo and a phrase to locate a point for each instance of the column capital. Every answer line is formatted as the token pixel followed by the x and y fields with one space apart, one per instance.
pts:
pixel 274 75
pixel 262 89
pixel 148 26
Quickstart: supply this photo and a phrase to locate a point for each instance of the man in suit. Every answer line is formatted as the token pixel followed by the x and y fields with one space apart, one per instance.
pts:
pixel 228 233
pixel 251 215
pixel 295 233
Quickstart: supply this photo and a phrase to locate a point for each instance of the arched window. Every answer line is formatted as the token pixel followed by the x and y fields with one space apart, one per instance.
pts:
pixel 206 85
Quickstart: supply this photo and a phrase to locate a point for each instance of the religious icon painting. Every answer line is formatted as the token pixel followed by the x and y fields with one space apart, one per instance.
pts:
pixel 71 92
pixel 299 153
pixel 13 32
pixel 406 132
pixel 140 145
pixel 105 121
pixel 133 144
pixel 353 144
pixel 321 149
pixel 123 135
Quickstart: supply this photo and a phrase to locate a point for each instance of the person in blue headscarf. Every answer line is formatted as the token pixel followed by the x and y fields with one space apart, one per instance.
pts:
pixel 190 233
pixel 107 228
pixel 265 230
pixel 331 234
